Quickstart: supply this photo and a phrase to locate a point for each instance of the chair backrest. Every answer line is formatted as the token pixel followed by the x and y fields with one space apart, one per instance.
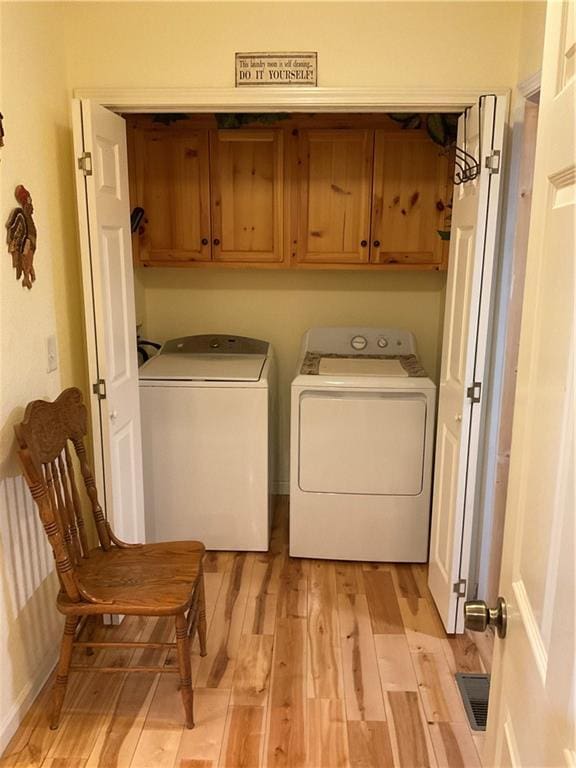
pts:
pixel 44 436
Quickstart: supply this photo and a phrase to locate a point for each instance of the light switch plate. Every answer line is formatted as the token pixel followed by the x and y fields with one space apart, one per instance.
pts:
pixel 52 353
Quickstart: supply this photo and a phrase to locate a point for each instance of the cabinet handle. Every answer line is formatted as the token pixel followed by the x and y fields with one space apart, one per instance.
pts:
pixel 363 243
pixel 216 241
pixel 204 241
pixel 376 243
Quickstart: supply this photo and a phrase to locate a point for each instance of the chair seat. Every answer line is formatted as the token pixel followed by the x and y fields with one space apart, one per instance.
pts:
pixel 152 580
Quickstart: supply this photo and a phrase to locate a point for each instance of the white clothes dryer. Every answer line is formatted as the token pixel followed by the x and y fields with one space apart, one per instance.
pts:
pixel 362 423
pixel 206 440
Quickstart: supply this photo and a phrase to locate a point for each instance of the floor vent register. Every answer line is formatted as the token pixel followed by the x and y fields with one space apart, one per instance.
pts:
pixel 474 690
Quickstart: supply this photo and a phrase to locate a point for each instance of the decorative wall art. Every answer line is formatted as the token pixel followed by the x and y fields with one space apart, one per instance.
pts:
pixel 21 237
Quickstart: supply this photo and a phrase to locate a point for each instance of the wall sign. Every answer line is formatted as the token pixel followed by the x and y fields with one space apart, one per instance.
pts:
pixel 276 69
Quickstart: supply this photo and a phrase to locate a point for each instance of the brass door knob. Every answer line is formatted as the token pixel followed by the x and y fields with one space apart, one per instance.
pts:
pixel 478 617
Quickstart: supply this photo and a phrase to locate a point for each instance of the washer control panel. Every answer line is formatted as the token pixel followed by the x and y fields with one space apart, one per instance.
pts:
pixel 382 342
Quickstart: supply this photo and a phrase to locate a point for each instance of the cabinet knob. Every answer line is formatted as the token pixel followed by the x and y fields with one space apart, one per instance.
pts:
pixel 363 243
pixel 216 241
pixel 376 243
pixel 204 241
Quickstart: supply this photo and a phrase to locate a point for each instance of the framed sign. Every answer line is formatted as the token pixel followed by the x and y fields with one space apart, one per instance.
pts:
pixel 277 69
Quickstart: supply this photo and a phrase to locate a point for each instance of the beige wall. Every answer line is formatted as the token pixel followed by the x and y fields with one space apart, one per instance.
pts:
pixel 280 306
pixel 531 39
pixel 37 153
pixel 397 44
pixel 45 50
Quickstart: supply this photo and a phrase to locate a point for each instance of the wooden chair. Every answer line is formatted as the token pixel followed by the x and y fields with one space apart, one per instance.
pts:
pixel 114 578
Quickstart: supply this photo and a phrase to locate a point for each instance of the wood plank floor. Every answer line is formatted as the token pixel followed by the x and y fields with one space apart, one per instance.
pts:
pixel 311 664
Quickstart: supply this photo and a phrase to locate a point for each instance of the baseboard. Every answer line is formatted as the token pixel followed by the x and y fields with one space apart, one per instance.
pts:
pixel 281 488
pixel 24 701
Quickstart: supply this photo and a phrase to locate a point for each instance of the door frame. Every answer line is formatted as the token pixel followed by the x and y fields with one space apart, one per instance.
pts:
pixel 293 99
pixel 270 99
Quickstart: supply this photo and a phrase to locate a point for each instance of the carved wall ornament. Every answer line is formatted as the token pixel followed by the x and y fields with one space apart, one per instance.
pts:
pixel 21 237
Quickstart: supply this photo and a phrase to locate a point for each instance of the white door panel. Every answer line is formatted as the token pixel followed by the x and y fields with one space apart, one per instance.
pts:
pixel 104 210
pixel 533 691
pixel 468 293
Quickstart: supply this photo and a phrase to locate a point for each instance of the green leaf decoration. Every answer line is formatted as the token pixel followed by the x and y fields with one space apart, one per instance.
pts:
pixel 415 122
pixel 238 119
pixel 402 117
pixel 167 118
pixel 440 126
pixel 436 129
pixel 444 234
pixel 450 119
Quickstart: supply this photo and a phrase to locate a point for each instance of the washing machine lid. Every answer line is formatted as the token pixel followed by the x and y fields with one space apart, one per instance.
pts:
pixel 216 357
pixel 203 368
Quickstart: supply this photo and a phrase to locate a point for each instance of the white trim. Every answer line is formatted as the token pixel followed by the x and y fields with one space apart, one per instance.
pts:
pixel 531 85
pixel 24 700
pixel 290 99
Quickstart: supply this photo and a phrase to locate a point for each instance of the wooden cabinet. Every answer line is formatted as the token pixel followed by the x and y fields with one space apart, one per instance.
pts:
pixel 409 200
pixel 209 196
pixel 308 192
pixel 247 188
pixel 171 183
pixel 371 197
pixel 334 187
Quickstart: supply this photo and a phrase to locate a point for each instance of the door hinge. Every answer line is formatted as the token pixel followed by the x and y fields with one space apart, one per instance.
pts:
pixel 85 163
pixel 459 588
pixel 493 161
pixel 99 389
pixel 474 392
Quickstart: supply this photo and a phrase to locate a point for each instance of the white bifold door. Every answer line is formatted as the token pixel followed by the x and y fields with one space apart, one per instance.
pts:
pixel 471 269
pixel 532 714
pixel 107 272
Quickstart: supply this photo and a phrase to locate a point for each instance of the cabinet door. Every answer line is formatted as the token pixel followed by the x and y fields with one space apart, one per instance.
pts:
pixel 172 185
pixel 334 190
pixel 410 198
pixel 247 195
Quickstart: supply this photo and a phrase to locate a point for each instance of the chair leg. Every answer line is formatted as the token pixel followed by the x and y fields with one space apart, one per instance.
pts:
pixel 90 629
pixel 61 683
pixel 202 615
pixel 184 665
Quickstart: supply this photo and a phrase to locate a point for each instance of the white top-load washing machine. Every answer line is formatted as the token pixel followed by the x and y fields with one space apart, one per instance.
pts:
pixel 205 409
pixel 362 422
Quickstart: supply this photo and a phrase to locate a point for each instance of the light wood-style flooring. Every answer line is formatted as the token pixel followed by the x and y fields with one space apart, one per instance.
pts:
pixel 311 664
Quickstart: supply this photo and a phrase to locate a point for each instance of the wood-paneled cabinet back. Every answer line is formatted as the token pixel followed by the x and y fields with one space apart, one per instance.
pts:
pixel 334 182
pixel 172 183
pixel 247 191
pixel 410 200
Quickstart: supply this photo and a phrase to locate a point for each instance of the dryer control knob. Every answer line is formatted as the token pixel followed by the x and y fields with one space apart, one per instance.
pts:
pixel 382 342
pixel 359 342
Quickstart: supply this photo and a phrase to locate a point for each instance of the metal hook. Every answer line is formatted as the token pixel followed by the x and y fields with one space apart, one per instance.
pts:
pixel 467 167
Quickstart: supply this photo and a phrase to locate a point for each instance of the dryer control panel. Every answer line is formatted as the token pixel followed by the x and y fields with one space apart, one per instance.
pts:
pixel 359 341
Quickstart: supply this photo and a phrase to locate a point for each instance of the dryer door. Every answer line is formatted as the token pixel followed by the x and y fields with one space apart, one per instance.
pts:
pixel 362 442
